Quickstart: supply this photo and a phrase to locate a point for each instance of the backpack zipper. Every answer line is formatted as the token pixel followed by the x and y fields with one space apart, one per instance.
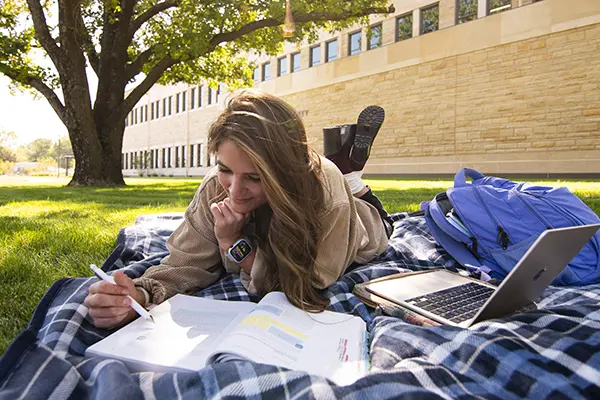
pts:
pixel 532 210
pixel 503 238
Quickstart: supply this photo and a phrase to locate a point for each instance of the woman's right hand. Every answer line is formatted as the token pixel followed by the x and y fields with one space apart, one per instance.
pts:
pixel 108 304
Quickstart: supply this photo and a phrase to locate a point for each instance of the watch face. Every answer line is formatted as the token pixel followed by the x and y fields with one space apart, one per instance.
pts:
pixel 240 250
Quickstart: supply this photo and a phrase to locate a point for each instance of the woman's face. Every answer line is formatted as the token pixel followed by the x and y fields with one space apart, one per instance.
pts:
pixel 239 177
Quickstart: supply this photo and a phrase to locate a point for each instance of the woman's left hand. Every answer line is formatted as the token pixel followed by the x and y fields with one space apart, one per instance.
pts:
pixel 228 223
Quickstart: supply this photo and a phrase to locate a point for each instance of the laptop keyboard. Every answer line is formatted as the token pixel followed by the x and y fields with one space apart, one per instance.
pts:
pixel 457 304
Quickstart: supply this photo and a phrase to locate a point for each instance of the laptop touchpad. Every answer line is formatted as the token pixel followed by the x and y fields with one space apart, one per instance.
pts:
pixel 417 285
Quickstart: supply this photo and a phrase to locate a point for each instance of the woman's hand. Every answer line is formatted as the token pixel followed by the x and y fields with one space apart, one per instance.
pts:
pixel 228 223
pixel 108 304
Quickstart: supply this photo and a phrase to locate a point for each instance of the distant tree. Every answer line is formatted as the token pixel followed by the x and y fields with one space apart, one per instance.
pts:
pixel 38 149
pixel 6 153
pixel 166 41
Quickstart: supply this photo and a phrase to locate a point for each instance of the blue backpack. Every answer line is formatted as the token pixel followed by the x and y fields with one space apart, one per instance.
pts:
pixel 490 223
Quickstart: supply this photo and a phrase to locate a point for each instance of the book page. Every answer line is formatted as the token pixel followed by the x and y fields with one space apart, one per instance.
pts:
pixel 185 331
pixel 275 332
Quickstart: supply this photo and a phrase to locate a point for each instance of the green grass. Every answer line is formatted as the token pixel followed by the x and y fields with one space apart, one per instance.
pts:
pixel 49 231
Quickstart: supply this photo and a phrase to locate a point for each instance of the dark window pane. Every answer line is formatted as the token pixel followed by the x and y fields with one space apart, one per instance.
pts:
pixel 430 18
pixel 256 75
pixel 375 37
pixel 467 11
pixel 315 55
pixel 295 62
pixel 183 101
pixel 332 50
pixel 266 71
pixel 200 90
pixel 354 43
pixel 282 66
pixel 193 98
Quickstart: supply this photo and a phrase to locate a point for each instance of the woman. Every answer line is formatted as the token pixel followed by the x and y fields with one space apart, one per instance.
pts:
pixel 272 211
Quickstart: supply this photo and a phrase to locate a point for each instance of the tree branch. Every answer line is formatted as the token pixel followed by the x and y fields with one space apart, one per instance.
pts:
pixel 42 33
pixel 151 12
pixel 136 94
pixel 136 66
pixel 87 44
pixel 304 17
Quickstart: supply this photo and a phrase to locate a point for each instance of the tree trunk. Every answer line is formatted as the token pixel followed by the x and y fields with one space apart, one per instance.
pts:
pixel 101 168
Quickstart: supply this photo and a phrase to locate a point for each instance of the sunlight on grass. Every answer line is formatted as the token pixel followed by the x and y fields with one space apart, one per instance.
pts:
pixel 49 231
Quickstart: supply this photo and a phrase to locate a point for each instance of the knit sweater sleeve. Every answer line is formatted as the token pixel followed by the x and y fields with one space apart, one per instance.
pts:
pixel 194 261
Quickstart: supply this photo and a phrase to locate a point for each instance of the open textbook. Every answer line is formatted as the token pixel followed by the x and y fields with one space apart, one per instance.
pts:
pixel 191 332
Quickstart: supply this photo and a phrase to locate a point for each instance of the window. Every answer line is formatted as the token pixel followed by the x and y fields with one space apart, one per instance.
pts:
pixel 126 121
pixel 131 118
pixel 199 155
pixel 354 42
pixel 124 161
pixel 135 116
pixel 282 66
pixel 266 71
pixel 183 100
pixel 374 37
pixel 152 111
pixel 210 95
pixel 169 161
pixel 156 159
pixel 295 62
pixel 164 107
pixel 170 105
pixel 331 50
pixel 183 157
pixel 404 27
pixel 315 55
pixel 200 90
pixel 151 158
pixel 467 11
pixel 497 6
pixel 178 103
pixel 256 74
pixel 191 155
pixel 430 18
pixel 146 113
pixel 193 98
pixel 176 156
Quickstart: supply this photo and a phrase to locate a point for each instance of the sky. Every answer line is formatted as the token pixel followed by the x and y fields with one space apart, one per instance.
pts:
pixel 30 119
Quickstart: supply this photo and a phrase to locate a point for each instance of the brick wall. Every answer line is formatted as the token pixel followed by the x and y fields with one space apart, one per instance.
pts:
pixel 527 106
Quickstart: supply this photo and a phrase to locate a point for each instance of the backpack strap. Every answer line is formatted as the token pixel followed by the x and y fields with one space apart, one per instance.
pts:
pixel 460 179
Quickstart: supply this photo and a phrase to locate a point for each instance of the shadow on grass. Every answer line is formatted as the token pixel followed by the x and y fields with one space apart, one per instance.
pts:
pixel 174 194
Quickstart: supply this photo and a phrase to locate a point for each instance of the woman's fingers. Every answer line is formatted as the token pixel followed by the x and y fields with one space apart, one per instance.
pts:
pixel 106 300
pixel 109 312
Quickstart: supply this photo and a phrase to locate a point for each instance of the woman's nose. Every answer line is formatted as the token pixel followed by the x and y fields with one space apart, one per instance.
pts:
pixel 235 186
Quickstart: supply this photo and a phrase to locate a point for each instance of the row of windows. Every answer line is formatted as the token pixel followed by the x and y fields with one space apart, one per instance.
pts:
pixel 173 104
pixel 167 157
pixel 430 16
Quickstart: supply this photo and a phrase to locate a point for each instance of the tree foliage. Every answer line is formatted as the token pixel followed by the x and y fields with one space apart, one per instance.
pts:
pixel 164 41
pixel 38 149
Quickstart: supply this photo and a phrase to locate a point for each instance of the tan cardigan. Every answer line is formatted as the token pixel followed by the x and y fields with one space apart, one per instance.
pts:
pixel 353 231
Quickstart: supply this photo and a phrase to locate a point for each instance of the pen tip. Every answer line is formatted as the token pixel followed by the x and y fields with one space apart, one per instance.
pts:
pixel 152 319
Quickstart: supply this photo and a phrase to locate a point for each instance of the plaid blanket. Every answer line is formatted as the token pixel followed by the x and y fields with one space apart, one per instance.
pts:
pixel 553 352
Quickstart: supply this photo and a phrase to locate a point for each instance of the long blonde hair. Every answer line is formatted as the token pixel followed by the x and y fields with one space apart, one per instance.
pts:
pixel 271 133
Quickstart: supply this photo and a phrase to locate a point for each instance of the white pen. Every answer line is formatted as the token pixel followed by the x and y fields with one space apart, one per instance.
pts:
pixel 134 304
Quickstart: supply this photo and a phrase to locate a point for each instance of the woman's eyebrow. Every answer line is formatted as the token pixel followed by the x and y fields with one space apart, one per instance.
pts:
pixel 219 162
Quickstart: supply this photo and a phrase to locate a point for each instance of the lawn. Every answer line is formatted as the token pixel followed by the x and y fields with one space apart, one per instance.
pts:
pixel 48 231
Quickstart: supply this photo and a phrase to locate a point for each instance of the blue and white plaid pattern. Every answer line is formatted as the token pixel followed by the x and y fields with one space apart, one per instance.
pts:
pixel 553 352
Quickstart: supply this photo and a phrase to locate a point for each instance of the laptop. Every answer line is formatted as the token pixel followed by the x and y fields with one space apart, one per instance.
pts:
pixel 453 299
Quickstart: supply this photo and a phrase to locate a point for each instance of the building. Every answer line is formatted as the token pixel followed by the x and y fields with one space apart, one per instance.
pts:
pixel 504 86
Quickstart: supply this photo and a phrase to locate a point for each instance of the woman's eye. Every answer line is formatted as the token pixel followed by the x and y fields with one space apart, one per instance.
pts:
pixel 224 170
pixel 254 178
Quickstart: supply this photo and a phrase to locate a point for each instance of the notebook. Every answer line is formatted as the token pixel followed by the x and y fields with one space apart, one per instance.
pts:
pixel 449 298
pixel 192 332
